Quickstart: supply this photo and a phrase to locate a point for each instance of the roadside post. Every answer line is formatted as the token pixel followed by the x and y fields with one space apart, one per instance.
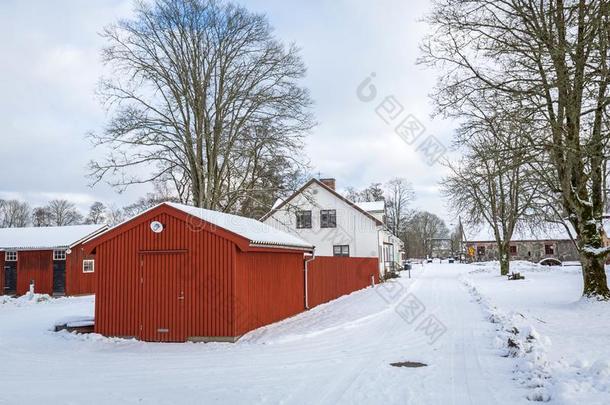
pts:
pixel 408 268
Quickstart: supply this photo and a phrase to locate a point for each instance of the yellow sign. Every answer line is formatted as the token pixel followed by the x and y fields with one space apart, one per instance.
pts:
pixel 471 251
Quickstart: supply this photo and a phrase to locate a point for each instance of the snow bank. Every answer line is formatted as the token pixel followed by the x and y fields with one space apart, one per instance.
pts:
pixel 517 339
pixel 27 299
pixel 576 367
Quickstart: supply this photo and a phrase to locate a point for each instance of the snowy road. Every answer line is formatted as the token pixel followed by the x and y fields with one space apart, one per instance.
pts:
pixel 336 353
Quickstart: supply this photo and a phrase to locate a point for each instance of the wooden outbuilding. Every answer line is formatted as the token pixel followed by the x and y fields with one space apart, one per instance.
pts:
pixel 50 259
pixel 176 273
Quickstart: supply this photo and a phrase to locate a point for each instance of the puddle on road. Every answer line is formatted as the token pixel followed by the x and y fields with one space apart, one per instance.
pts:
pixel 409 364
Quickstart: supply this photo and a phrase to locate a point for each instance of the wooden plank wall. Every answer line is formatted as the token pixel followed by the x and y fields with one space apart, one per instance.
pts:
pixel 35 265
pixel 270 286
pixel 77 282
pixel 330 277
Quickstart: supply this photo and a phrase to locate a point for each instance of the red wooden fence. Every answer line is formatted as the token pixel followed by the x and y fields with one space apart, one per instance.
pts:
pixel 330 277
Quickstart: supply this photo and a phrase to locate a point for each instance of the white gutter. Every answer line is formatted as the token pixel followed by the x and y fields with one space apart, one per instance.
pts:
pixel 313 256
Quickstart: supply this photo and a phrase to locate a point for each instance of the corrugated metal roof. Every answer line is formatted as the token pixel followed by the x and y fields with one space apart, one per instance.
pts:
pixel 257 232
pixel 38 238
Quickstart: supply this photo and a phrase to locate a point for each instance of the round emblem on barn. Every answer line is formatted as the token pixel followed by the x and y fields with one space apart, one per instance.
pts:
pixel 156 226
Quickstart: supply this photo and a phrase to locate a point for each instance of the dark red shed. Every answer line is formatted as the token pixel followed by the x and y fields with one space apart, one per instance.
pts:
pixel 49 257
pixel 177 273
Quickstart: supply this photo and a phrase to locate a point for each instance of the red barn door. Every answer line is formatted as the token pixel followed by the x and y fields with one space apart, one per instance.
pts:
pixel 162 305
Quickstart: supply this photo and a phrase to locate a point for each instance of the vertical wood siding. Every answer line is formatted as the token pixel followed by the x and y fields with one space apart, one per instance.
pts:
pixel 269 287
pixel 37 266
pixel 330 277
pixel 130 295
pixel 77 282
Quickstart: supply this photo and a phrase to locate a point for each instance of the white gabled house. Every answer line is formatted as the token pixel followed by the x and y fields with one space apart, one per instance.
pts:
pixel 318 214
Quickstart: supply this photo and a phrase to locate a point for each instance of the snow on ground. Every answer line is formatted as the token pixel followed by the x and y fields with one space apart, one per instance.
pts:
pixel 458 319
pixel 568 360
pixel 337 353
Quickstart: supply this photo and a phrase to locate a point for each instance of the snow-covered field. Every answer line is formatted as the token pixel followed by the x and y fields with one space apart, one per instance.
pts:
pixel 336 353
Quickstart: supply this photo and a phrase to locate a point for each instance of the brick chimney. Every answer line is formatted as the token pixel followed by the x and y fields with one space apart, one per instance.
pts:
pixel 330 183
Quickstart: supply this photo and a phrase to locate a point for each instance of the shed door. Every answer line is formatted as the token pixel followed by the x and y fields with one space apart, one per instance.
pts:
pixel 162 306
pixel 10 278
pixel 59 276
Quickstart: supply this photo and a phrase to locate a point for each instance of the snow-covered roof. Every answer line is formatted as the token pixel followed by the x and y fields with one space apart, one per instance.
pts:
pixel 53 237
pixel 551 231
pixel 371 206
pixel 257 232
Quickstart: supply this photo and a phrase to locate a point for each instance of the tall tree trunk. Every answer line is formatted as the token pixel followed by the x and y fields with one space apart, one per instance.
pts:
pixel 504 258
pixel 590 242
pixel 594 277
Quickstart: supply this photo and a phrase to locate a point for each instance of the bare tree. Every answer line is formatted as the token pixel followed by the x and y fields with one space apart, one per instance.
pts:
pixel 97 214
pixel 114 215
pixel 420 230
pixel 41 216
pixel 160 195
pixel 548 63
pixel 14 214
pixel 63 213
pixel 374 192
pixel 492 187
pixel 399 196
pixel 202 96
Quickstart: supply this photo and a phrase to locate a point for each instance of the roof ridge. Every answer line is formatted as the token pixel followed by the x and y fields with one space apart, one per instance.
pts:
pixel 324 186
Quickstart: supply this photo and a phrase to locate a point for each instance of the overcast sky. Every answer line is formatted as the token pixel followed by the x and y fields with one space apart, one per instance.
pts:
pixel 50 65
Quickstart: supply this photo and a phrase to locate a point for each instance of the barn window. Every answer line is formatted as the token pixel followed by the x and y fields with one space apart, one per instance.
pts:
pixel 10 256
pixel 88 266
pixel 341 250
pixel 513 250
pixel 303 219
pixel 549 250
pixel 481 250
pixel 328 218
pixel 59 255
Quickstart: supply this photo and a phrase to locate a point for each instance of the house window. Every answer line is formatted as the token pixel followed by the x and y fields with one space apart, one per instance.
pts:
pixel 513 249
pixel 88 266
pixel 328 218
pixel 303 219
pixel 549 250
pixel 10 256
pixel 481 250
pixel 59 255
pixel 341 250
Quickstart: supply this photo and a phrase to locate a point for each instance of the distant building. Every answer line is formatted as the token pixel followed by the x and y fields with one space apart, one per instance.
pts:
pixel 554 242
pixel 49 259
pixel 337 226
pixel 441 248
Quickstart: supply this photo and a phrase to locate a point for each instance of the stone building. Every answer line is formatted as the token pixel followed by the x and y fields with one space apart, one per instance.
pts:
pixel 534 246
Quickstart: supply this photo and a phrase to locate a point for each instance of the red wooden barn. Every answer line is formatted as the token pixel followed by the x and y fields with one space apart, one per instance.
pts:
pixel 177 273
pixel 50 257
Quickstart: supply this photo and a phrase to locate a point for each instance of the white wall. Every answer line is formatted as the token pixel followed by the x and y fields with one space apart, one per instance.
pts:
pixel 354 228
